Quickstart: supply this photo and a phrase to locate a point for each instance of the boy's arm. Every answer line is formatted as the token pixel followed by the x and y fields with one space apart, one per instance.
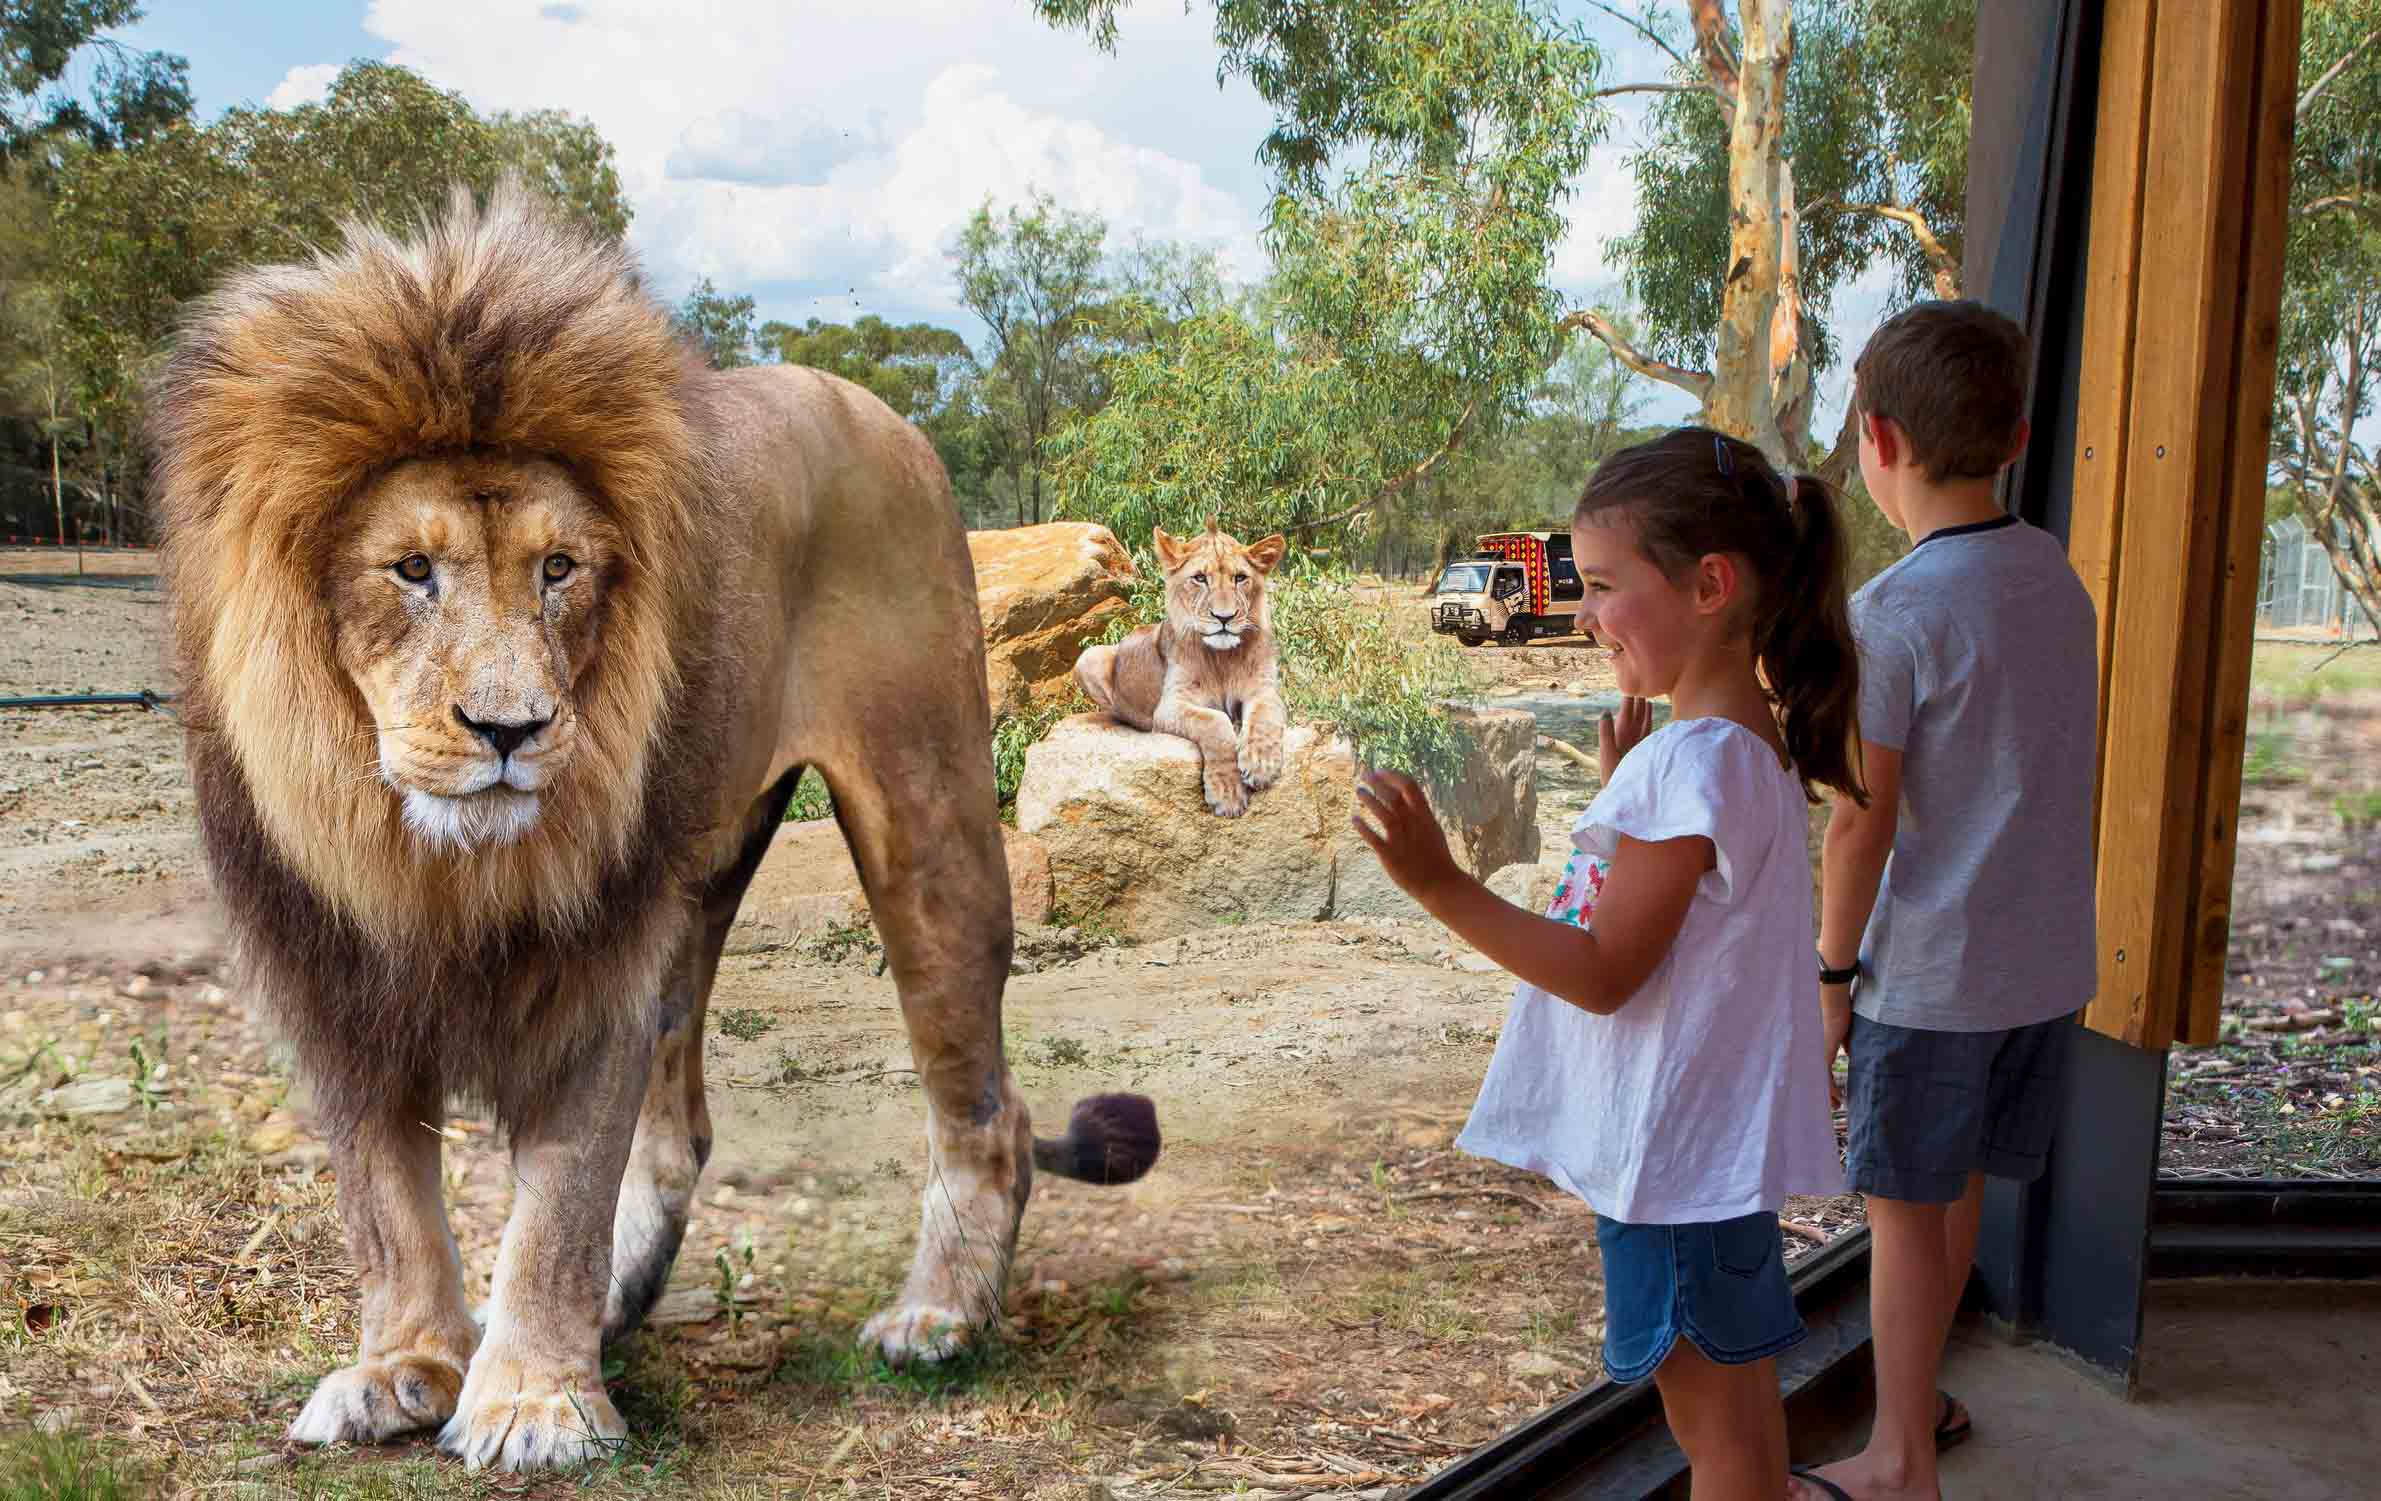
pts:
pixel 1645 901
pixel 1852 860
pixel 1851 863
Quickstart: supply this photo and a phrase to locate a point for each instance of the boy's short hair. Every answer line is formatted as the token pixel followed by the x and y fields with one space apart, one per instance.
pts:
pixel 1951 374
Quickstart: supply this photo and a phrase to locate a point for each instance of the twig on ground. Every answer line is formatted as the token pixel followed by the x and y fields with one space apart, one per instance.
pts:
pixel 1467 1193
pixel 1569 752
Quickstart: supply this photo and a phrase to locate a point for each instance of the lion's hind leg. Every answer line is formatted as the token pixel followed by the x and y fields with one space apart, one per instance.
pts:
pixel 673 1139
pixel 930 857
pixel 418 1337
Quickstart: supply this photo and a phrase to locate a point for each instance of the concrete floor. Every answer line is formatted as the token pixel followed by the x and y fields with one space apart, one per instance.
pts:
pixel 2249 1390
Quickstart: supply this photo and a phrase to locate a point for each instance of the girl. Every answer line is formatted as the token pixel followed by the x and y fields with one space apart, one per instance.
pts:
pixel 1662 1058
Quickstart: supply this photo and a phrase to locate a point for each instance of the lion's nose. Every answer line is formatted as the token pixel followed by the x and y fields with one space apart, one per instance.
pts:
pixel 502 737
pixel 1223 617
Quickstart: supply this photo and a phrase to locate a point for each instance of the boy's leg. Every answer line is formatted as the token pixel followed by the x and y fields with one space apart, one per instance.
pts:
pixel 1919 1108
pixel 1730 1421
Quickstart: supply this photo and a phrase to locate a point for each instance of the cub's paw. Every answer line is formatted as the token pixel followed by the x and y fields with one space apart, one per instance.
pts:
pixel 1226 797
pixel 510 1417
pixel 923 1332
pixel 1260 761
pixel 373 1401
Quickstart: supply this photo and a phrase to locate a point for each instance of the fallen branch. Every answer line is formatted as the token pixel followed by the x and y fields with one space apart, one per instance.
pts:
pixel 1568 751
pixel 2293 1021
pixel 1807 1232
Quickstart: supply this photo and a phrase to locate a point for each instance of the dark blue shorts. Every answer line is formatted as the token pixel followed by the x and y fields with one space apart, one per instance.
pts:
pixel 1721 1285
pixel 1928 1109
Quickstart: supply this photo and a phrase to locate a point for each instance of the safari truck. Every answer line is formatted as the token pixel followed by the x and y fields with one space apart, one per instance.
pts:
pixel 1517 587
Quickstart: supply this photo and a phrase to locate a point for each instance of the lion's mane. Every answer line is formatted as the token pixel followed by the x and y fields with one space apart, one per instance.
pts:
pixel 491 331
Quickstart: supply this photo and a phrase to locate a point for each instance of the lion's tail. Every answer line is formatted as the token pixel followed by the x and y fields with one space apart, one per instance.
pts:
pixel 1112 1138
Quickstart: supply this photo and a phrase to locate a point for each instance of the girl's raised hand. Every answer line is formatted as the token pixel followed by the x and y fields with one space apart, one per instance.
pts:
pixel 1412 847
pixel 1614 738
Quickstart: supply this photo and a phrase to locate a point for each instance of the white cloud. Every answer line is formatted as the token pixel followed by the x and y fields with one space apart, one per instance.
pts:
pixel 306 84
pixel 822 155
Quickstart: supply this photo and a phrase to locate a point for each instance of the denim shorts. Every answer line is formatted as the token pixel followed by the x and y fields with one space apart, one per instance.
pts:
pixel 1928 1109
pixel 1722 1285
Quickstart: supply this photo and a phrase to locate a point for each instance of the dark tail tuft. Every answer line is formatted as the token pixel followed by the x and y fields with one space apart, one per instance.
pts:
pixel 1111 1139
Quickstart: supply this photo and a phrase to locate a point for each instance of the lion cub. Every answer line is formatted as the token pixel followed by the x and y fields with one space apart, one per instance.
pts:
pixel 1210 673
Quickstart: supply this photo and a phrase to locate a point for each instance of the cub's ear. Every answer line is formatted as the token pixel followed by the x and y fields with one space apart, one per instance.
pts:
pixel 1170 550
pixel 1265 552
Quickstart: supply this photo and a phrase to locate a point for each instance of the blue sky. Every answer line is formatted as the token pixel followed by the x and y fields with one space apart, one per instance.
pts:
pixel 820 155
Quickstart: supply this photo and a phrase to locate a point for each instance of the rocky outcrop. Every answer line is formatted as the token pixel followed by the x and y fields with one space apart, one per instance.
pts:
pixel 1132 845
pixel 1044 591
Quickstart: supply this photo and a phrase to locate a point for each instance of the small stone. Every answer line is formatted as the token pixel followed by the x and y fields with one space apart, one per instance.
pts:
pixel 56 1420
pixel 36 977
pixel 134 988
pixel 272 1138
pixel 1531 1365
pixel 88 1097
pixel 1476 964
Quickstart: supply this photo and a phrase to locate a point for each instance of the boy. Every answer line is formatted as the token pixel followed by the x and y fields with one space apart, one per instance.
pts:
pixel 1962 896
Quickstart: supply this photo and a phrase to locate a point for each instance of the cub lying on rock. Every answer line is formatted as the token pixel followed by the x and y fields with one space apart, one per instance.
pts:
pixel 1210 673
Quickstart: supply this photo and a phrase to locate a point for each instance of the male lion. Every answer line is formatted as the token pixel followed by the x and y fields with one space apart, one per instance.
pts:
pixel 504 629
pixel 1210 673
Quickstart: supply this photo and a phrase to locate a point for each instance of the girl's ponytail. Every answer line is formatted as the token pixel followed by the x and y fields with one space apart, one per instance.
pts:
pixel 1807 654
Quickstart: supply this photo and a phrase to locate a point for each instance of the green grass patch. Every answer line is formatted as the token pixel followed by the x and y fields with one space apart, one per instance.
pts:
pixel 2359 810
pixel 2268 762
pixel 745 1024
pixel 65 1467
pixel 2304 674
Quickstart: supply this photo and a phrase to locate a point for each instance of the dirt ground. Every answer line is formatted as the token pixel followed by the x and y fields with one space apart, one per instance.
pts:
pixel 1312 1294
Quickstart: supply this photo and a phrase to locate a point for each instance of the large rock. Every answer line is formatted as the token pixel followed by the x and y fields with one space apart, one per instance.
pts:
pixel 1044 591
pixel 806 882
pixel 1490 816
pixel 1132 844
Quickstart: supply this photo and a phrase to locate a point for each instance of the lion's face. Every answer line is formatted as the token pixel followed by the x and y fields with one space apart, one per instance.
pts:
pixel 467 597
pixel 1215 588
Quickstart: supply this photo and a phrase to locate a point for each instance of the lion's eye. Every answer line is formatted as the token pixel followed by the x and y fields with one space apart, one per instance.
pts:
pixel 558 567
pixel 414 568
pixel 1239 578
pixel 1198 578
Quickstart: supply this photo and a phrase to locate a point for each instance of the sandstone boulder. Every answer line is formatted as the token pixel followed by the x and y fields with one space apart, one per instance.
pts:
pixel 1044 591
pixel 1132 845
pixel 806 882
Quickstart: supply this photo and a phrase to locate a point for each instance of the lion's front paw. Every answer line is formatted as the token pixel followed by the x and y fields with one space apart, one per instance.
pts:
pixel 511 1417
pixel 1260 761
pixel 1226 796
pixel 373 1401
pixel 918 1331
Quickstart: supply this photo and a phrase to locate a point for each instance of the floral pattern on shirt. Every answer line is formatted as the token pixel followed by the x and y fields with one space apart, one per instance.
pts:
pixel 1582 886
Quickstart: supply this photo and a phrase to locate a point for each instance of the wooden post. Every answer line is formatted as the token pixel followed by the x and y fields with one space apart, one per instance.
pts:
pixel 2190 181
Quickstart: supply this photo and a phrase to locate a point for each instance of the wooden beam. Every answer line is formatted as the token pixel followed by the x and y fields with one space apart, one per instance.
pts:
pixel 2264 230
pixel 2120 146
pixel 2160 448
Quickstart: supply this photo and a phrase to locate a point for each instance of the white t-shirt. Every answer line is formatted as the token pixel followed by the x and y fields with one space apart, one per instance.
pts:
pixel 1703 1098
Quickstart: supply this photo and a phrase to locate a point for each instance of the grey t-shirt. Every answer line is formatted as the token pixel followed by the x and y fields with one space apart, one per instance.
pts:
pixel 1979 662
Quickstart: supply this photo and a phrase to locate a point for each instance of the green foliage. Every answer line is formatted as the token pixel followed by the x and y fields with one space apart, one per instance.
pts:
pixel 811 800
pixel 906 366
pixel 1421 152
pixel 63 1467
pixel 1345 662
pixel 2328 364
pixel 134 95
pixel 139 232
pixel 720 324
pixel 745 1024
pixel 1877 115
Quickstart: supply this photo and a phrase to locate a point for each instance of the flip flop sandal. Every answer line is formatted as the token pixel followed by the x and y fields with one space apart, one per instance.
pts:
pixel 1803 1472
pixel 1947 1433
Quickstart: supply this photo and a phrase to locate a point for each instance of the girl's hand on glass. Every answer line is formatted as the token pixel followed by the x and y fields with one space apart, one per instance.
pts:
pixel 1615 737
pixel 1411 845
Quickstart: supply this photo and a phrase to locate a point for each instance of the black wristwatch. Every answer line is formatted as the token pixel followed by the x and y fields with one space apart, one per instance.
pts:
pixel 1844 976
